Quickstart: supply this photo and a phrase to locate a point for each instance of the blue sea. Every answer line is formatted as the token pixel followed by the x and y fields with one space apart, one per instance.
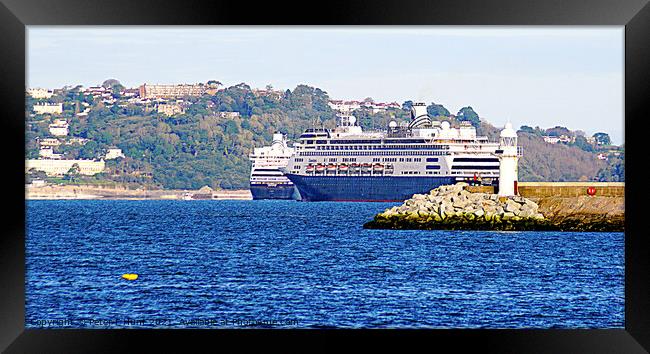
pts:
pixel 288 264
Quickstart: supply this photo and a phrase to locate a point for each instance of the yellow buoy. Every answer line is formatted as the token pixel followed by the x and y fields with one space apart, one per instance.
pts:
pixel 130 276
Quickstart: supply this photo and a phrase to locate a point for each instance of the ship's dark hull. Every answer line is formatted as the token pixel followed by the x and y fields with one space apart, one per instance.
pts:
pixel 280 191
pixel 367 188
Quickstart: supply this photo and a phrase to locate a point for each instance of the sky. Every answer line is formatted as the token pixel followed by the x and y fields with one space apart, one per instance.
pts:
pixel 570 76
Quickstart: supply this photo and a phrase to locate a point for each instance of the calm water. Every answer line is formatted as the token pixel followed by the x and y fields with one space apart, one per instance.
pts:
pixel 287 264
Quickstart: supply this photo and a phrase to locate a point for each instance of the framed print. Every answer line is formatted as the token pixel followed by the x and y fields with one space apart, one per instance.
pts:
pixel 467 173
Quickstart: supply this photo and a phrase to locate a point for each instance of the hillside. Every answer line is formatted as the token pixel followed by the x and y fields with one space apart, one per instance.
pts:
pixel 542 161
pixel 555 162
pixel 199 147
pixel 208 143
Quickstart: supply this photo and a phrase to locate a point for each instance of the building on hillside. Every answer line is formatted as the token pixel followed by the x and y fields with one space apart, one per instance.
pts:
pixel 229 115
pixel 170 109
pixel 551 139
pixel 602 156
pixel 61 167
pixel 559 139
pixel 382 107
pixel 52 108
pixel 268 93
pixel 614 152
pixel 49 142
pixel 48 153
pixel 172 91
pixel 40 93
pixel 75 140
pixel 59 127
pixel 344 106
pixel 349 106
pixel 130 93
pixel 98 91
pixel 113 153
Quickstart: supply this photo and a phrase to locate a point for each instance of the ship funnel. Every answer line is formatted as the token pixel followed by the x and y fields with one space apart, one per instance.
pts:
pixel 278 140
pixel 418 109
pixel 419 116
pixel 277 137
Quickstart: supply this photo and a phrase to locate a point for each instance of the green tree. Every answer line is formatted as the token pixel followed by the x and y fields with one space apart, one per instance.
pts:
pixel 73 173
pixel 437 110
pixel 582 143
pixel 116 90
pixel 90 150
pixel 527 129
pixel 602 139
pixel 614 172
pixel 558 131
pixel 109 83
pixel 407 105
pixel 468 114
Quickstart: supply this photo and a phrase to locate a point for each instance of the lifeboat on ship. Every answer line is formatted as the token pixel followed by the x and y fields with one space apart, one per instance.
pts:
pixel 343 167
pixel 320 168
pixel 378 167
pixel 365 167
pixel 310 168
pixel 354 167
pixel 331 168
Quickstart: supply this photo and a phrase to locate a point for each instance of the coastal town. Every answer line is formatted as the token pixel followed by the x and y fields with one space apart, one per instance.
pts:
pixel 61 154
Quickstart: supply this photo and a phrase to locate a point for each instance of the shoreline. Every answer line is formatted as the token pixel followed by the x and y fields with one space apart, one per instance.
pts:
pixel 90 192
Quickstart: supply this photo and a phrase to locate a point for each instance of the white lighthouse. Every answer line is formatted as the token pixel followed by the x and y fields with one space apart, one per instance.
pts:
pixel 508 154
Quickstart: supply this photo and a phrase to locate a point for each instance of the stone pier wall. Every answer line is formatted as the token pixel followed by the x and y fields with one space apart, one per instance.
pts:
pixel 560 189
pixel 570 189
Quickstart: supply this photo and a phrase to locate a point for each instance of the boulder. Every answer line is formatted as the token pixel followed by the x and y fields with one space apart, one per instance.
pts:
pixel 453 207
pixel 418 197
pixel 526 213
pixel 460 204
pixel 512 206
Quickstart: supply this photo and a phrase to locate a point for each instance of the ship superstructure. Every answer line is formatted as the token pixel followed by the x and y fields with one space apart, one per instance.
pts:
pixel 348 164
pixel 267 181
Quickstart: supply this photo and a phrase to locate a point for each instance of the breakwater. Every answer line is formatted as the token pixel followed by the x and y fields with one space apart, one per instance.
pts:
pixel 456 207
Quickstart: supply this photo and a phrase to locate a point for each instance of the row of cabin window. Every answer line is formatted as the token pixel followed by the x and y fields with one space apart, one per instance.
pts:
pixel 385 147
pixel 372 153
pixel 385 159
pixel 410 172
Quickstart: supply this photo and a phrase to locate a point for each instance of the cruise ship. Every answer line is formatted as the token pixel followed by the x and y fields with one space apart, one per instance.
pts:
pixel 267 181
pixel 348 164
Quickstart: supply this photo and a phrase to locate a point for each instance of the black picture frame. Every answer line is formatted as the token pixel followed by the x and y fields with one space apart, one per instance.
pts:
pixel 15 15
